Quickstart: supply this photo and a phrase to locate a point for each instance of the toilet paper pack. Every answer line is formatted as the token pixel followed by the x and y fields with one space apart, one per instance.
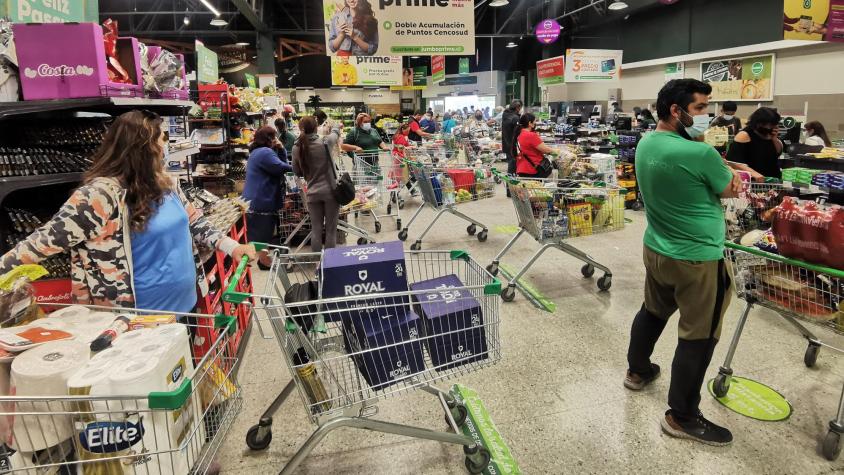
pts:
pixel 44 371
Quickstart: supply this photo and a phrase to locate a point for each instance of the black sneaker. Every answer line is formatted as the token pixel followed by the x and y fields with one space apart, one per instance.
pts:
pixel 698 429
pixel 637 382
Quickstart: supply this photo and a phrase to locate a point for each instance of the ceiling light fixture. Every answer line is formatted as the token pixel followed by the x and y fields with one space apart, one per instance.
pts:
pixel 210 7
pixel 241 43
pixel 511 45
pixel 499 3
pixel 186 20
pixel 617 5
pixel 414 57
pixel 219 22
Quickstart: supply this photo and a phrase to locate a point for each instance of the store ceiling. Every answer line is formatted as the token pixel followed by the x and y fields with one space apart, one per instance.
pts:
pixel 165 19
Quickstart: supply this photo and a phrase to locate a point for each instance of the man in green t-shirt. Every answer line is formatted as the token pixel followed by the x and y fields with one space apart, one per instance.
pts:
pixel 682 181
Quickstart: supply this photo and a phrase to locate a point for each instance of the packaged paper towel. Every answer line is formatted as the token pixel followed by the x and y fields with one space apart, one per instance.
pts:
pixel 131 338
pixel 44 371
pixel 85 325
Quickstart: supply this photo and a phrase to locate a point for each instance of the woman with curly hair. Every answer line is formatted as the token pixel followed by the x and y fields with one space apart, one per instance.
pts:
pixel 353 30
pixel 132 234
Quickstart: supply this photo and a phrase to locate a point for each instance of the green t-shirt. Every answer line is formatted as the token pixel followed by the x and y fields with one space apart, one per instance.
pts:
pixel 680 181
pixel 288 140
pixel 367 141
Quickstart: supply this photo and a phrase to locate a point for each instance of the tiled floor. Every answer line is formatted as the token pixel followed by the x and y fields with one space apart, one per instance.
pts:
pixel 557 395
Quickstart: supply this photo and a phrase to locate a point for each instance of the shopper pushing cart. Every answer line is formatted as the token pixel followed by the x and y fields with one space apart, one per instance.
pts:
pixel 555 211
pixel 434 318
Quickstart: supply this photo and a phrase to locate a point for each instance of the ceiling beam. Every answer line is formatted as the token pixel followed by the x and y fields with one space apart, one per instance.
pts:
pixel 246 10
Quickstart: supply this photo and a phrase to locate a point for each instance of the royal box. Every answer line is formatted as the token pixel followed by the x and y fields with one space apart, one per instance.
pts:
pixel 385 345
pixel 68 60
pixel 454 322
pixel 360 271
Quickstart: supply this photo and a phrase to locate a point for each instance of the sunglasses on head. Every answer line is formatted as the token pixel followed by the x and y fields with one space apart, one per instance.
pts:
pixel 150 114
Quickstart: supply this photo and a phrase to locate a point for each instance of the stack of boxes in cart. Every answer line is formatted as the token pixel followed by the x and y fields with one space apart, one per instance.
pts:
pixel 387 329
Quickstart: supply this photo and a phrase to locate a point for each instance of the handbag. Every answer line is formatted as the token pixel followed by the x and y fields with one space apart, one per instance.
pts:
pixel 543 168
pixel 344 188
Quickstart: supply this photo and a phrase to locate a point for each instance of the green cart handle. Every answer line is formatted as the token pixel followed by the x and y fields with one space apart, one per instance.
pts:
pixel 412 162
pixel 230 295
pixel 506 178
pixel 786 260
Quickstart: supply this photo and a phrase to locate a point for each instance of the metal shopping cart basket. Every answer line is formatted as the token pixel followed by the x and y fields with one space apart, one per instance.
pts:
pixel 554 211
pixel 444 188
pixel 371 176
pixel 177 431
pixel 345 354
pixel 295 220
pixel 798 291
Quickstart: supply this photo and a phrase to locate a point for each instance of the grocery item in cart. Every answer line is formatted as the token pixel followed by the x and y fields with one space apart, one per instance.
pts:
pixel 454 322
pixel 44 371
pixel 384 344
pixel 362 271
pixel 810 232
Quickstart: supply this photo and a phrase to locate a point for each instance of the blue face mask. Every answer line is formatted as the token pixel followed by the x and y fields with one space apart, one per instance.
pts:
pixel 367 126
pixel 700 123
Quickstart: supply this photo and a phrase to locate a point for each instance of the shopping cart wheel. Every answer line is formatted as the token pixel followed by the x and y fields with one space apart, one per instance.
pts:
pixel 398 224
pixel 377 226
pixel 832 445
pixel 811 356
pixel 416 246
pixel 259 436
pixel 605 282
pixel 477 459
pixel 401 204
pixel 636 206
pixel 721 385
pixel 471 229
pixel 587 270
pixel 508 294
pixel 482 236
pixel 403 235
pixel 362 241
pixel 492 269
pixel 497 180
pixel 460 418
pixel 389 209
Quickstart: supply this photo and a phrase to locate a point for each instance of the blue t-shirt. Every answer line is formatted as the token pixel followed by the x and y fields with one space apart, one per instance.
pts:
pixel 448 125
pixel 164 272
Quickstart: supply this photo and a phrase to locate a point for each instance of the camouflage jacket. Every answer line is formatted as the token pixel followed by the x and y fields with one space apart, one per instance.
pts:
pixel 94 225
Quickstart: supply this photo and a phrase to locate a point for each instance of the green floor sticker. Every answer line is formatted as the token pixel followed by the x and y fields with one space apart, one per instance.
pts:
pixel 536 297
pixel 754 400
pixel 480 427
pixel 507 229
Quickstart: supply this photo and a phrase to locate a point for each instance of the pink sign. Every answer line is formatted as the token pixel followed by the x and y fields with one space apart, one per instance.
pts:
pixel 547 31
pixel 835 23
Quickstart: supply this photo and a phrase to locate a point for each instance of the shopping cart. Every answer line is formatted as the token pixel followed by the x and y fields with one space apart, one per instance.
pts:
pixel 344 354
pixel 295 221
pixel 370 174
pixel 485 149
pixel 444 188
pixel 179 431
pixel 554 211
pixel 797 291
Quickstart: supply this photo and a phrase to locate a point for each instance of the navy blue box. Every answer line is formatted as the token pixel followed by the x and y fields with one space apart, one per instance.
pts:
pixel 363 271
pixel 385 345
pixel 454 321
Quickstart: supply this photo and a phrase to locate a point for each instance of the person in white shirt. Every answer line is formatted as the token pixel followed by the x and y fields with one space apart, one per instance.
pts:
pixel 816 135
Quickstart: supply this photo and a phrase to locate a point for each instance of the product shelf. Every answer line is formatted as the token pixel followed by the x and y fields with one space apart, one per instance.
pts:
pixel 13 183
pixel 167 107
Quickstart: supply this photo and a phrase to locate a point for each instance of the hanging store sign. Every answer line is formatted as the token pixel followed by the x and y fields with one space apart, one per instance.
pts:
pixel 551 71
pixel 463 66
pixel 437 68
pixel 813 20
pixel 400 28
pixel 207 65
pixel 675 71
pixel 48 11
pixel 366 71
pixel 250 80
pixel 749 78
pixel 413 79
pixel 593 65
pixel 459 80
pixel 547 31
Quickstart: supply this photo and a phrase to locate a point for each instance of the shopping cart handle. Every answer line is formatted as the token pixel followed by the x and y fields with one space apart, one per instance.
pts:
pixel 836 273
pixel 504 177
pixel 171 400
pixel 231 295
pixel 226 321
pixel 412 162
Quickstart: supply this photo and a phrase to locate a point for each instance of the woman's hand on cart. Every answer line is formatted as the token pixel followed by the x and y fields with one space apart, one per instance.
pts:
pixel 245 250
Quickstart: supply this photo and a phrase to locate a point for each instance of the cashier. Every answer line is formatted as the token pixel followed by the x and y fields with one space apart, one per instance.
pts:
pixel 758 145
pixel 131 233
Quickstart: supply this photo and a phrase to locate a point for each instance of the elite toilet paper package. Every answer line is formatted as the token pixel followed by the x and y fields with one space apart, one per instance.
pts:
pixel 363 271
pixel 44 371
pixel 454 320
